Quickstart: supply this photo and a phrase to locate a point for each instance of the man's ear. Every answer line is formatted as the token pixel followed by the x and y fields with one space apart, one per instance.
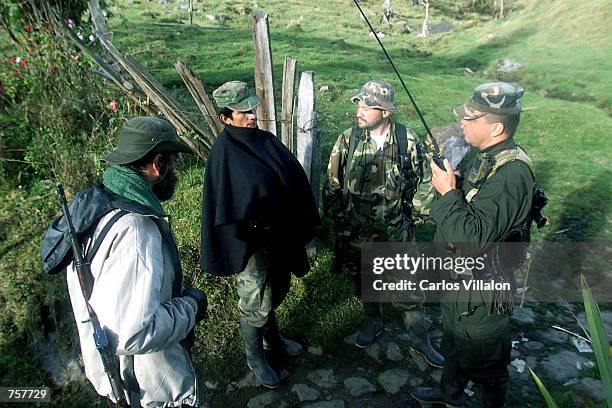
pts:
pixel 497 129
pixel 156 165
pixel 225 119
pixel 386 113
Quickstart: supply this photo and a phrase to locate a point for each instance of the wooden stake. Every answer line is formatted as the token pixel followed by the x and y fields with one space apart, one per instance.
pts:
pixel 264 87
pixel 287 133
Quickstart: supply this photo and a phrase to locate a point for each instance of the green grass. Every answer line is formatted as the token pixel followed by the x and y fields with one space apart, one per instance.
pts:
pixel 564 47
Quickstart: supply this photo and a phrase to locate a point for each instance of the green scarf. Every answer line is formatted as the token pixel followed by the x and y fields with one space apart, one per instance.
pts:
pixel 127 183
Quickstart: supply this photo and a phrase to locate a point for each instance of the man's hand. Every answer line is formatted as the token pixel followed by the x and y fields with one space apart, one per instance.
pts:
pixel 443 181
pixel 201 300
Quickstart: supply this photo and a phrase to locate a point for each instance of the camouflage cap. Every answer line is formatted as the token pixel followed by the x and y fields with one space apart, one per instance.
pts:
pixel 501 98
pixel 236 96
pixel 377 94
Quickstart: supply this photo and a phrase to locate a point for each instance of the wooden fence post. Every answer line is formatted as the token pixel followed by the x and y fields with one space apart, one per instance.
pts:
pixel 206 105
pixel 264 87
pixel 287 134
pixel 307 135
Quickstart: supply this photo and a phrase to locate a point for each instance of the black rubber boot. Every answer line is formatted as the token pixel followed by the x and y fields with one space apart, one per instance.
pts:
pixel 433 395
pixel 373 328
pixel 274 341
pixel 256 358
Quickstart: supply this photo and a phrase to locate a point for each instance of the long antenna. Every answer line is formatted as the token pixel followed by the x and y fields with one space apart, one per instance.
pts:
pixel 437 157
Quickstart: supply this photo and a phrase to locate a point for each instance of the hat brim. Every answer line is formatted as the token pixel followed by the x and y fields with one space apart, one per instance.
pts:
pixel 164 146
pixel 245 105
pixel 468 113
pixel 370 103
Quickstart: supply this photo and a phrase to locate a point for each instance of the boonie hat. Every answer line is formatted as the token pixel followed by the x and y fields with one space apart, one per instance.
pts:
pixel 143 135
pixel 377 94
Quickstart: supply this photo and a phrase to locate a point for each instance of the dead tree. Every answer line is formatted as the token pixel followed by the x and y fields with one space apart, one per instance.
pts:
pixel 425 30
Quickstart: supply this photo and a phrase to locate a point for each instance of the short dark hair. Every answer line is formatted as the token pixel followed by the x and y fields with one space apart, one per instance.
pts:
pixel 140 164
pixel 227 112
pixel 510 122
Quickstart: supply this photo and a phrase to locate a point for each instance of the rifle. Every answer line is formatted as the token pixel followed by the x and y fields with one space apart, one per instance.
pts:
pixel 86 283
pixel 437 156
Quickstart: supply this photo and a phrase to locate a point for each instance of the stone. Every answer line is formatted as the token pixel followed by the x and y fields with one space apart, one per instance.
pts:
pixel 373 350
pixel 436 376
pixel 316 350
pixel 563 366
pixel 359 386
pixel 508 65
pixel 305 393
pixel 248 380
pixel 393 380
pixel 606 317
pixel 262 400
pixel 451 141
pixel 523 315
pixel 532 346
pixel 553 335
pixel 393 352
pixel 211 385
pixel 419 360
pixel 588 390
pixel 351 338
pixel 324 378
pixel 63 367
pixel 327 404
pixel 443 26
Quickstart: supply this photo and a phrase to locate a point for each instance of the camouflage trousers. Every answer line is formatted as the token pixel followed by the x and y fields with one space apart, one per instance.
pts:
pixel 261 289
pixel 411 311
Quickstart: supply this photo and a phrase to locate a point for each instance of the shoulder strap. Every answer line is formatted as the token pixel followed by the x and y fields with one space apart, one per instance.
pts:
pixel 401 134
pixel 352 145
pixel 96 244
pixel 501 158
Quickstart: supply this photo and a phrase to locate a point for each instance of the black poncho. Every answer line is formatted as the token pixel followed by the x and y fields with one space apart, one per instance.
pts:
pixel 256 196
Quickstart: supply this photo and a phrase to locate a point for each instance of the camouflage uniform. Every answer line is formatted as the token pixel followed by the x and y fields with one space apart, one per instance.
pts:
pixel 364 194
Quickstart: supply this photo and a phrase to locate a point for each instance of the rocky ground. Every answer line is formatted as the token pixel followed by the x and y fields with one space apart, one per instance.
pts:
pixel 383 374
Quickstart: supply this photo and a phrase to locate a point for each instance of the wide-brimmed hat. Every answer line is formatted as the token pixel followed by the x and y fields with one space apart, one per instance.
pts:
pixel 501 98
pixel 236 96
pixel 143 135
pixel 377 94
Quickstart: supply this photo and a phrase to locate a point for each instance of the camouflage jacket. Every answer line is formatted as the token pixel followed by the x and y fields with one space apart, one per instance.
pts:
pixel 366 191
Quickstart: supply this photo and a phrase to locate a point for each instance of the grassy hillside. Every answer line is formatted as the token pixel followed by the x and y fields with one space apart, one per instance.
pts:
pixel 563 45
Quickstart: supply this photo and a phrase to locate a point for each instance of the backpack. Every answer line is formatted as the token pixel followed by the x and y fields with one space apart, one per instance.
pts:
pixel 86 209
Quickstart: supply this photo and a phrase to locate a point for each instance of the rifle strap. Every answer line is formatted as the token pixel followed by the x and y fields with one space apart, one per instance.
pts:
pixel 91 252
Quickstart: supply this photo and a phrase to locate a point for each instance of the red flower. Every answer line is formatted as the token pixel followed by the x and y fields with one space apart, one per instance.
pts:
pixel 28 27
pixel 24 63
pixel 18 72
pixel 46 21
pixel 113 105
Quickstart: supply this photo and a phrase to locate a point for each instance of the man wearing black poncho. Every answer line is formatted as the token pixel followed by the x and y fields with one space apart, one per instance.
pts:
pixel 258 213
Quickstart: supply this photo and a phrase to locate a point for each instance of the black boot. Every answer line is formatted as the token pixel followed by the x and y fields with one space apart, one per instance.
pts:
pixel 420 342
pixel 374 326
pixel 433 395
pixel 256 359
pixel 274 341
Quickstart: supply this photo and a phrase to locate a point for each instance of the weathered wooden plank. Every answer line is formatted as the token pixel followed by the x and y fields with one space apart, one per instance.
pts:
pixel 307 143
pixel 287 133
pixel 206 105
pixel 264 87
pixel 169 107
pixel 98 19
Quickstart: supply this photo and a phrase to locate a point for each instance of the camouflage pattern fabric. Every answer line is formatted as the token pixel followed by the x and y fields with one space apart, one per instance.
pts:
pixel 260 291
pixel 377 94
pixel 236 96
pixel 501 98
pixel 363 196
